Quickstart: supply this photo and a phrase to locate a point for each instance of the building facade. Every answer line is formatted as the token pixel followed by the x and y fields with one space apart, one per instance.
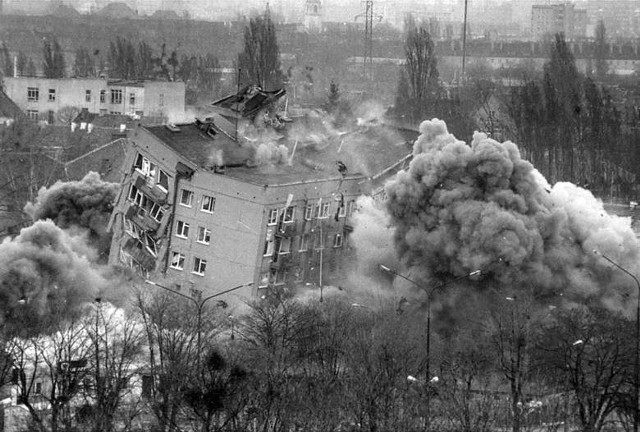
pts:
pixel 558 18
pixel 199 214
pixel 44 98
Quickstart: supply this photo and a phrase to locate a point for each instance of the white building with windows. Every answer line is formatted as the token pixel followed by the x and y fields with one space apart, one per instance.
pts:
pixel 43 98
pixel 200 213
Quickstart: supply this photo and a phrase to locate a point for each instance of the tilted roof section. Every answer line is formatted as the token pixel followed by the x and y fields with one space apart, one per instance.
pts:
pixel 247 102
pixel 278 160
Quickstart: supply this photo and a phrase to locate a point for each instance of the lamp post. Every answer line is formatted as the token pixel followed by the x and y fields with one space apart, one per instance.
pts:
pixel 429 293
pixel 636 400
pixel 566 396
pixel 199 305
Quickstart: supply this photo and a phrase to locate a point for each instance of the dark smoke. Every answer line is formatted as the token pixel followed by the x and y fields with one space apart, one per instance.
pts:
pixel 48 274
pixel 460 208
pixel 84 204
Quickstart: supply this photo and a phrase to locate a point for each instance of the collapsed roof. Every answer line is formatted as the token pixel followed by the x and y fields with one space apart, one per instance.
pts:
pixel 247 103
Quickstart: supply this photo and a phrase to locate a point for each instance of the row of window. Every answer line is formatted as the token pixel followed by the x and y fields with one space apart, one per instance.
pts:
pixel 161 180
pixel 33 95
pixel 199 265
pixel 204 233
pixel 286 243
pixel 320 210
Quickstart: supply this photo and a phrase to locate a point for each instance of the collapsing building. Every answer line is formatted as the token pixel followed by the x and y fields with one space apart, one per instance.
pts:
pixel 204 208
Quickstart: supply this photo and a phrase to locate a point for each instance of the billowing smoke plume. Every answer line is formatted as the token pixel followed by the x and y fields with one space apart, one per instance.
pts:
pixel 79 204
pixel 460 208
pixel 46 273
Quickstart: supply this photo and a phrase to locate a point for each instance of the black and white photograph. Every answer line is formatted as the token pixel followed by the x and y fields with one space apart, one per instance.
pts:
pixel 319 216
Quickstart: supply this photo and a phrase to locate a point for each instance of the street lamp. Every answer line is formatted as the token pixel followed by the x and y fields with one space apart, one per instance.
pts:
pixel 637 360
pixel 566 385
pixel 199 305
pixel 429 293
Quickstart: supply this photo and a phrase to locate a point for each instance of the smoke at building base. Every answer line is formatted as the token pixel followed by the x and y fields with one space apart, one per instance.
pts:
pixel 47 273
pixel 84 204
pixel 460 208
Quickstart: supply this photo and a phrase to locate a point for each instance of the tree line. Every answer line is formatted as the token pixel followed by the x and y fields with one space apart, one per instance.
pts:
pixel 292 364
pixel 567 124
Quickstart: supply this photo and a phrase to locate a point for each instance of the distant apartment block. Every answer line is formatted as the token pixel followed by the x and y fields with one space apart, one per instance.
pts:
pixel 199 213
pixel 43 98
pixel 558 18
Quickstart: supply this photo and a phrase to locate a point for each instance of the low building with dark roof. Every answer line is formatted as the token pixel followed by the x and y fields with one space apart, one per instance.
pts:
pixel 202 211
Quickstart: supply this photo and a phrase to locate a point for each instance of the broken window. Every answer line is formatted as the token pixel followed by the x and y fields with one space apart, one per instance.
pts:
pixel 116 96
pixel 186 197
pixel 33 94
pixel 268 244
pixel 87 95
pixel 52 95
pixel 337 240
pixel 132 98
pixel 204 235
pixel 156 212
pixel 177 261
pixel 208 203
pixel 289 214
pixel 163 181
pixel 103 97
pixel 264 280
pixel 281 276
pixel 145 166
pixel 151 245
pixel 199 266
pixel 285 245
pixel 182 229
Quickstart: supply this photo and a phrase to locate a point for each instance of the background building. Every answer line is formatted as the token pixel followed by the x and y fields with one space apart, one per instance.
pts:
pixel 558 18
pixel 44 98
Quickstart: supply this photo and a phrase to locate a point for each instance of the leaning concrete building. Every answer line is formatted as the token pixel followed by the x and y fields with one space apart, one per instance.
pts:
pixel 201 211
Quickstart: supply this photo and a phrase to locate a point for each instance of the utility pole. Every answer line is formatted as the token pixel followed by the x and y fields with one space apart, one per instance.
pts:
pixel 464 39
pixel 367 58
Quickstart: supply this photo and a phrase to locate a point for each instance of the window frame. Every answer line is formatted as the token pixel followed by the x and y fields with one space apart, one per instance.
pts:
pixel 289 214
pixel 132 99
pixel 272 219
pixel 199 266
pixel 338 240
pixel 285 241
pixel 181 260
pixel 206 235
pixel 33 94
pixel 103 96
pixel 182 229
pixel 190 195
pixel 159 182
pixel 51 95
pixel 212 204
pixel 116 97
pixel 155 211
pixel 324 210
pixel 33 115
pixel 269 244
pixel 308 211
pixel 87 96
